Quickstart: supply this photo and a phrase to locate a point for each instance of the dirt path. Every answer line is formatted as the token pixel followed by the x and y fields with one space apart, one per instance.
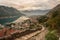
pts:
pixel 30 35
pixel 40 36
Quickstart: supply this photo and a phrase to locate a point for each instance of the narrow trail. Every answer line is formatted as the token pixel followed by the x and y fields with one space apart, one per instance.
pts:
pixel 29 36
pixel 40 36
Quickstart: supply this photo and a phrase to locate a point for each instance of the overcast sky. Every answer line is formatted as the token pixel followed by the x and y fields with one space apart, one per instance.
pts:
pixel 30 4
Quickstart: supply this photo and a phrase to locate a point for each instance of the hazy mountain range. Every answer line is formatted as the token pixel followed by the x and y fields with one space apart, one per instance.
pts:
pixel 10 14
pixel 34 12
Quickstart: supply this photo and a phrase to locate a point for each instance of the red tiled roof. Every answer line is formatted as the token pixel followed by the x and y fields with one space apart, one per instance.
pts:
pixel 7 31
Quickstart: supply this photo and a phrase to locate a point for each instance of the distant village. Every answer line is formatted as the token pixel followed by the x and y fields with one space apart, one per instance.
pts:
pixel 29 24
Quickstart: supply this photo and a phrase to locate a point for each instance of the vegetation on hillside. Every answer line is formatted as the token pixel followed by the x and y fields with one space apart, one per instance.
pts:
pixel 52 35
pixel 53 23
pixel 9 11
pixel 54 20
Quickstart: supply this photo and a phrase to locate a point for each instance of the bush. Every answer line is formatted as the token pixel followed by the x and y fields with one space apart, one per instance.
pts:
pixel 51 36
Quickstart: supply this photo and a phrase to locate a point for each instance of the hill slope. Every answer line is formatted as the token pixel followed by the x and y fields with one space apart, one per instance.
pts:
pixel 8 14
pixel 54 18
pixel 8 11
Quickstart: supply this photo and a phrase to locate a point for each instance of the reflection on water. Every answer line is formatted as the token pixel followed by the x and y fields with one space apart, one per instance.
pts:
pixel 7 20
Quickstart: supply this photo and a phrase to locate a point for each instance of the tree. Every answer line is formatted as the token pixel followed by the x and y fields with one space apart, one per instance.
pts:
pixel 42 19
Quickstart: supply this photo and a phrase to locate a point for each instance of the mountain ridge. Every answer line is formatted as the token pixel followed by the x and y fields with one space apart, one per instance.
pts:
pixel 54 18
pixel 9 14
pixel 9 11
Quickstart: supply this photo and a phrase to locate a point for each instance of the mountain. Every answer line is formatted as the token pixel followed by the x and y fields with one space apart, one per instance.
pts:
pixel 8 14
pixel 54 18
pixel 9 11
pixel 55 10
pixel 35 12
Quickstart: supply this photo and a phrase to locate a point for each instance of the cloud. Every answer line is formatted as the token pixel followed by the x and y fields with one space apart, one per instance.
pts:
pixel 30 4
pixel 23 1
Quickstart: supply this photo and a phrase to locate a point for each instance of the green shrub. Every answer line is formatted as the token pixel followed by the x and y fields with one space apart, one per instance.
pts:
pixel 51 36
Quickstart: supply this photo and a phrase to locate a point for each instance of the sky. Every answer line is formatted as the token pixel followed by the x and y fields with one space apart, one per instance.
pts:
pixel 30 4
